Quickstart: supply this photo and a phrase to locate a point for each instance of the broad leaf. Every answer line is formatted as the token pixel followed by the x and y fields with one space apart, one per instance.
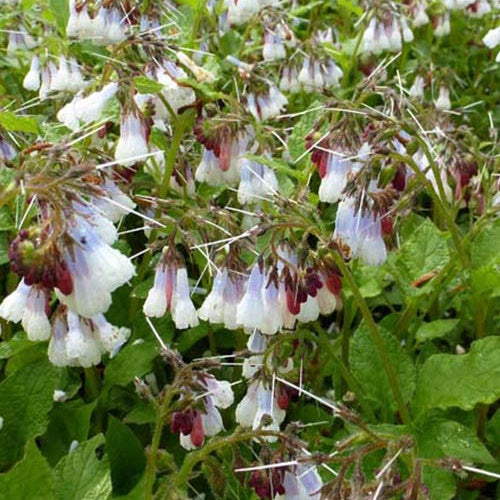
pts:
pixel 25 400
pixel 447 380
pixel 126 456
pixel 368 369
pixel 29 479
pixel 81 475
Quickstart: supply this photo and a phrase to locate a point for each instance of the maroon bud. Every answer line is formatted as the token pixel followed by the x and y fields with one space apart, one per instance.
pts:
pixel 198 433
pixel 386 225
pixel 64 280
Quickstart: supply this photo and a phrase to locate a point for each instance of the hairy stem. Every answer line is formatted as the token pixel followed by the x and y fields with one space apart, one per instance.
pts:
pixel 377 339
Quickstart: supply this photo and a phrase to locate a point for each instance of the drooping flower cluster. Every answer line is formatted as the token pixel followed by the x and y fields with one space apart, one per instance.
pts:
pixel 72 258
pixel 105 26
pixel 66 77
pixel 171 292
pixel 203 419
pixel 272 298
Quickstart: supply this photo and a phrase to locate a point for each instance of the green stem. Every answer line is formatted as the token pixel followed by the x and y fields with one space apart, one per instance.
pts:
pixel 92 383
pixel 377 339
pixel 182 477
pixel 441 200
pixel 161 415
pixel 182 123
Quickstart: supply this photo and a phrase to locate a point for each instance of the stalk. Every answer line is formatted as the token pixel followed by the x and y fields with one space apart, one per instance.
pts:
pixel 377 339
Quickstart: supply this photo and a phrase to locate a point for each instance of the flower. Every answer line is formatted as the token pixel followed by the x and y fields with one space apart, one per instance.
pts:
pixel 13 306
pixel 443 102
pixel 132 144
pixel 257 181
pixel 96 270
pixel 32 79
pixel 250 311
pixel 258 406
pixel 182 308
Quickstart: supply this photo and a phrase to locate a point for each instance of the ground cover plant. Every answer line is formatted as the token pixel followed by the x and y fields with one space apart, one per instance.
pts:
pixel 249 249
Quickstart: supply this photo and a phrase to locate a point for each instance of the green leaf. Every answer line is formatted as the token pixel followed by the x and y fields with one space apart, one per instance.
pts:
pixel 25 400
pixel 142 413
pixel 68 422
pixel 447 380
pixel 436 329
pixel 60 11
pixel 147 86
pixel 6 220
pixel 4 248
pixel 80 475
pixel 297 140
pixel 14 345
pixel 485 249
pixel 367 368
pixel 18 123
pixel 126 456
pixel 440 438
pixel 28 479
pixel 441 483
pixel 134 360
pixel 425 251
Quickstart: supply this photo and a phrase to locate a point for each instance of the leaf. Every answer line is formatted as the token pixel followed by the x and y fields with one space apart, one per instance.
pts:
pixel 68 422
pixel 368 369
pixel 440 438
pixel 60 11
pixel 447 380
pixel 142 413
pixel 25 400
pixel 80 475
pixel 297 140
pixel 126 456
pixel 18 123
pixel 28 479
pixel 147 86
pixel 14 345
pixel 485 247
pixel 4 248
pixel 6 220
pixel 436 329
pixel 134 360
pixel 485 259
pixel 441 483
pixel 426 251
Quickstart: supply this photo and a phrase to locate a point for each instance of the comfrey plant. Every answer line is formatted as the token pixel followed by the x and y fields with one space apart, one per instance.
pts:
pixel 248 248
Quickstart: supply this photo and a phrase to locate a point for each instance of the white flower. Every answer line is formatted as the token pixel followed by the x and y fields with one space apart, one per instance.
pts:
pixel 96 270
pixel 257 404
pixel 212 309
pixel 110 338
pixel 220 391
pixel 81 347
pixel 35 321
pixel 272 320
pixel 13 306
pixel 182 309
pixel 115 204
pixel 250 311
pixel 160 295
pixel 132 144
pixel 443 101
pixel 417 89
pixel 492 38
pixel 57 345
pixel 59 396
pixel 32 79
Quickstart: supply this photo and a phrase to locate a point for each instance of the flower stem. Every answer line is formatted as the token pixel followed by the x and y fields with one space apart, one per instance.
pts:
pixel 161 415
pixel 377 339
